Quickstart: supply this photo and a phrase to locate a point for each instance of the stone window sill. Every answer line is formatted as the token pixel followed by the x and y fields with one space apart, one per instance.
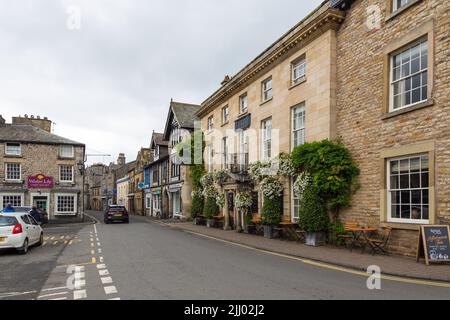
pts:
pixel 401 10
pixel 13 181
pixel 294 85
pixel 415 107
pixel 11 156
pixel 401 226
pixel 267 101
pixel 225 123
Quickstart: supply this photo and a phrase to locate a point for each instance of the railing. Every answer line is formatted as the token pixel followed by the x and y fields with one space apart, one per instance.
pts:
pixel 237 163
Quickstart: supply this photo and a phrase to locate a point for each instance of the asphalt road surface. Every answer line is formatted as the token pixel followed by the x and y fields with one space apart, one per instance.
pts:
pixel 145 260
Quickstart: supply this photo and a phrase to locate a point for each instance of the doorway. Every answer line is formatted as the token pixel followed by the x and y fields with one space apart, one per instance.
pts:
pixel 230 205
pixel 40 202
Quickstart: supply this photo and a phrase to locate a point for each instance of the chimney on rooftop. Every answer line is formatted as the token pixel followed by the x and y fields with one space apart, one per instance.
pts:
pixel 121 159
pixel 225 80
pixel 43 124
pixel 2 120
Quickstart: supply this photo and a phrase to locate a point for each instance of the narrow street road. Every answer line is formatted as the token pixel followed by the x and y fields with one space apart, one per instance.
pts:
pixel 145 260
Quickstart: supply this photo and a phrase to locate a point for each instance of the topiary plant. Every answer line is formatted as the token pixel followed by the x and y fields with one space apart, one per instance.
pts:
pixel 271 212
pixel 197 205
pixel 211 209
pixel 313 213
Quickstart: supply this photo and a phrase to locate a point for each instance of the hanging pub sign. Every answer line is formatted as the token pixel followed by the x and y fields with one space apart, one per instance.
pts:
pixel 434 244
pixel 40 181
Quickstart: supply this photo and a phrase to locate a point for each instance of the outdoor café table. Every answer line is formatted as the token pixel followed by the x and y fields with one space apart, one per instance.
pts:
pixel 357 234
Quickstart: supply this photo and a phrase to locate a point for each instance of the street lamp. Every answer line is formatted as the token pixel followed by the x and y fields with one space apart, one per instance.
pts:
pixel 80 166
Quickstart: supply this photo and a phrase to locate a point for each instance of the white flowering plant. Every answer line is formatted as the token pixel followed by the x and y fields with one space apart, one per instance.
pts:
pixel 220 176
pixel 244 201
pixel 285 166
pixel 272 188
pixel 260 170
pixel 210 192
pixel 197 193
pixel 207 180
pixel 303 180
pixel 220 200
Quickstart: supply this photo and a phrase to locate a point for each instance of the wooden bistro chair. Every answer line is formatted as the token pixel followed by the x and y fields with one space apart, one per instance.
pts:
pixel 380 244
pixel 348 238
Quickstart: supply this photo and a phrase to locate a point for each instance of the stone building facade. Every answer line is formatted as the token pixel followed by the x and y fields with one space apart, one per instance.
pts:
pixel 38 168
pixel 393 103
pixel 286 96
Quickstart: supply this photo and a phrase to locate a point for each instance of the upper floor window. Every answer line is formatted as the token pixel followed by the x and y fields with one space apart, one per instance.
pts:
pixel 266 147
pixel 298 71
pixel 409 75
pixel 267 90
pixel 243 103
pixel 13 171
pixel 398 4
pixel 225 114
pixel 408 189
pixel 175 136
pixel 66 152
pixel 13 149
pixel 298 125
pixel 66 173
pixel 210 123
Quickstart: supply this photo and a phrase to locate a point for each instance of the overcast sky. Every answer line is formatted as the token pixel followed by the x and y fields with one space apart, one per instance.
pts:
pixel 108 80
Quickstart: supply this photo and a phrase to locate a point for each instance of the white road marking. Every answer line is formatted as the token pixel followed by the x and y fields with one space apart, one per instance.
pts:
pixel 95 229
pixel 106 280
pixel 79 268
pixel 54 289
pixel 92 251
pixel 92 245
pixel 99 244
pixel 99 250
pixel 79 294
pixel 52 294
pixel 97 239
pixel 80 275
pixel 110 290
pixel 80 284
pixel 15 294
pixel 114 299
pixel 101 259
pixel 103 272
pixel 101 266
pixel 58 299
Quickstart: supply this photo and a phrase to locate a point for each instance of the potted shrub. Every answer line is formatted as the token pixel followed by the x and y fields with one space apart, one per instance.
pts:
pixel 210 210
pixel 271 215
pixel 314 219
pixel 197 208
pixel 243 204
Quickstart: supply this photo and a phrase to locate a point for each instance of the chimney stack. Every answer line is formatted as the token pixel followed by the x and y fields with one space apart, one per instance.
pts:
pixel 121 160
pixel 38 122
pixel 225 80
pixel 2 120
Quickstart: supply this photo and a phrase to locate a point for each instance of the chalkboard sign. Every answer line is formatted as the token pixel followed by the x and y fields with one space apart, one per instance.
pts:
pixel 434 244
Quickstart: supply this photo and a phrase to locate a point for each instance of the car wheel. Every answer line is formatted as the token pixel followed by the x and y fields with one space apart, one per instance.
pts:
pixel 41 240
pixel 24 249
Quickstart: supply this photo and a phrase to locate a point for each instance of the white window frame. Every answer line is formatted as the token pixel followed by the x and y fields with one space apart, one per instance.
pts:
pixel 301 129
pixel 210 123
pixel 395 6
pixel 13 154
pixel 266 138
pixel 210 157
pixel 225 152
pixel 11 194
pixel 73 173
pixel 61 153
pixel 225 114
pixel 6 172
pixel 75 204
pixel 392 56
pixel 266 89
pixel 243 107
pixel 297 66
pixel 148 201
pixel 295 214
pixel 389 198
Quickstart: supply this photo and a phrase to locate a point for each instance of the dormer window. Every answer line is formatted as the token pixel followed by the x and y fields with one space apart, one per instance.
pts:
pixel 13 149
pixel 66 152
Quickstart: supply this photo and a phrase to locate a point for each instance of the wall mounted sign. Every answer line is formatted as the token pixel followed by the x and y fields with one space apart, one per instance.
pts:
pixel 40 181
pixel 434 244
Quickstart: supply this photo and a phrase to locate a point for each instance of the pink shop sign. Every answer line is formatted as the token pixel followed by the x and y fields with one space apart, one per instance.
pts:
pixel 40 182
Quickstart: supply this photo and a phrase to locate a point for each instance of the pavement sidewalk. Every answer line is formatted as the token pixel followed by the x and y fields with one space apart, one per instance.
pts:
pixel 390 265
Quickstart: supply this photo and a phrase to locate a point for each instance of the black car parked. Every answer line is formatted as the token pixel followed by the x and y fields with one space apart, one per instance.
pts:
pixel 116 214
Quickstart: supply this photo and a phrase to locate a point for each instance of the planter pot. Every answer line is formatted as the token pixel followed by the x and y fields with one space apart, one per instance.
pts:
pixel 198 221
pixel 268 232
pixel 210 223
pixel 315 239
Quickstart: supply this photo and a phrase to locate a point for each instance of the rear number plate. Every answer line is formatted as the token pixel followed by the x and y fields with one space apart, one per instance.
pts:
pixel 2 239
pixel 117 215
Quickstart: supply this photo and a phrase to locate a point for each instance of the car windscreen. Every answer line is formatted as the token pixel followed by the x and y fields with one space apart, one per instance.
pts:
pixel 8 221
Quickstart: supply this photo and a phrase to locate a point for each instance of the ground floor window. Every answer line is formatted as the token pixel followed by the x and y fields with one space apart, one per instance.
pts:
pixel 295 203
pixel 15 200
pixel 66 204
pixel 408 189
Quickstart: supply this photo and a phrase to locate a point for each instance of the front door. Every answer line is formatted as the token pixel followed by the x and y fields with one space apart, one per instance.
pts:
pixel 177 204
pixel 41 203
pixel 230 205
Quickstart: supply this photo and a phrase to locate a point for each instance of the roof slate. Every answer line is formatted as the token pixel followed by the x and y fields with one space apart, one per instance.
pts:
pixel 31 134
